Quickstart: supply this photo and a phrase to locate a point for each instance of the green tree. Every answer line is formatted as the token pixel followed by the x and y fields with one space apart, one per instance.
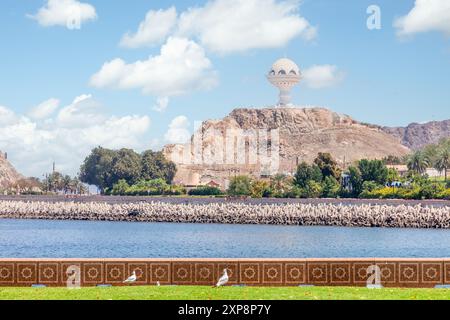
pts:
pixel 280 185
pixel 328 166
pixel 66 184
pixel 55 182
pixel 156 166
pixel 442 163
pixel 373 170
pixel 240 186
pixel 306 173
pixel 392 175
pixel 331 187
pixel 126 165
pixel 418 162
pixel 97 168
pixel 356 180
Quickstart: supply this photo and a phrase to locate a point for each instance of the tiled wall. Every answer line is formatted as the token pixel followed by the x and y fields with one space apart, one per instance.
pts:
pixel 251 272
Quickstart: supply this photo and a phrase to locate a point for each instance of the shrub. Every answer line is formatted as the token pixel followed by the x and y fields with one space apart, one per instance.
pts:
pixel 296 192
pixel 410 193
pixel 260 189
pixel 240 186
pixel 381 193
pixel 175 191
pixel 431 190
pixel 368 188
pixel 205 191
pixel 445 194
pixel 120 188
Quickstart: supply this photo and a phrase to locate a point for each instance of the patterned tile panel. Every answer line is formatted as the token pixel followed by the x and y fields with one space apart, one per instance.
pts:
pixel 294 273
pixel 160 272
pixel 7 275
pixel 251 272
pixel 49 273
pixel 93 273
pixel 318 273
pixel 232 270
pixel 26 273
pixel 182 273
pixel 142 272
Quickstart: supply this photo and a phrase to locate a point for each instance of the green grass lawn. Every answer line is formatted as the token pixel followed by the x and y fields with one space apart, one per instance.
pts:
pixel 226 293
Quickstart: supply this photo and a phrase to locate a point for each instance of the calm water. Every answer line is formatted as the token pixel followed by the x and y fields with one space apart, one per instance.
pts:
pixel 84 239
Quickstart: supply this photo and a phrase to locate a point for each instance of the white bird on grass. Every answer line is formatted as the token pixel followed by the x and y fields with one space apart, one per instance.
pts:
pixel 132 278
pixel 223 280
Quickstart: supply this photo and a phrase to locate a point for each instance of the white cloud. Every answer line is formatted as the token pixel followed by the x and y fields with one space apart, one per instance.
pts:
pixel 227 26
pixel 6 115
pixel 33 145
pixel 82 112
pixel 427 15
pixel 44 109
pixel 67 13
pixel 161 104
pixel 178 130
pixel 181 67
pixel 322 76
pixel 153 30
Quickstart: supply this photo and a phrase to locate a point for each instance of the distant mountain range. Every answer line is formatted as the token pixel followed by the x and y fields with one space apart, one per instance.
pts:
pixel 415 136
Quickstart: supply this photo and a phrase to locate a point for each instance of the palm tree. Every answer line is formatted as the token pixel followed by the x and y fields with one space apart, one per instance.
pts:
pixel 418 162
pixel 280 183
pixel 443 161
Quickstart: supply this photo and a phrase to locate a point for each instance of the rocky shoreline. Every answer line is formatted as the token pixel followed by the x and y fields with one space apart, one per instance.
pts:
pixel 303 214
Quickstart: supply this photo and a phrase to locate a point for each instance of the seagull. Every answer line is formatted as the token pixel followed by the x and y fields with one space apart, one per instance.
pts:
pixel 223 280
pixel 132 278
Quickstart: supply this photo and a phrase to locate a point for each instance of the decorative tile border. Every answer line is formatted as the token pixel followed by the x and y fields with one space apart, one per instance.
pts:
pixel 251 272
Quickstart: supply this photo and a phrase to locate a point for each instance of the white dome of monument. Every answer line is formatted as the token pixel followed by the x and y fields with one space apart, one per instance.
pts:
pixel 284 74
pixel 284 66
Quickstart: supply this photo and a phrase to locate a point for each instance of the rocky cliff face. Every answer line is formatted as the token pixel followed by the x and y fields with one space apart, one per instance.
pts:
pixel 416 136
pixel 7 172
pixel 292 134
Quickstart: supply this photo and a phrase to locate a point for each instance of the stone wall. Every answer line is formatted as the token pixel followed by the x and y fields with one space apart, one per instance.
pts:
pixel 251 272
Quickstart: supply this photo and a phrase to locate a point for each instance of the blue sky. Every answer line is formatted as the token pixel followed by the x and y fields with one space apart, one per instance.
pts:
pixel 377 76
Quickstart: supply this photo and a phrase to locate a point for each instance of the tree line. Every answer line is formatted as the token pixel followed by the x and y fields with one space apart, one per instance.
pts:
pixel 363 179
pixel 105 168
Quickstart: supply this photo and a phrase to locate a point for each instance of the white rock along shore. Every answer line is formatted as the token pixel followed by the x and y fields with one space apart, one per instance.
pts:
pixel 321 214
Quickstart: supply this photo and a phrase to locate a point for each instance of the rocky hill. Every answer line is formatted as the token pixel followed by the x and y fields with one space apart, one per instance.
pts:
pixel 7 172
pixel 295 134
pixel 416 136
